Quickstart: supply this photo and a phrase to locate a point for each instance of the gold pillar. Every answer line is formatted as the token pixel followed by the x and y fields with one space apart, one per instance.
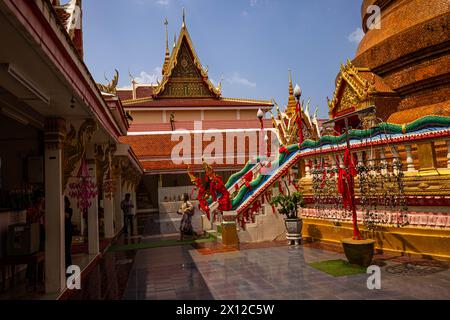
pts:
pixel 427 158
pixel 229 231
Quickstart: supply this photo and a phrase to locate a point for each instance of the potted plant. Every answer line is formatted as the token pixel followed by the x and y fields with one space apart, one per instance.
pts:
pixel 288 205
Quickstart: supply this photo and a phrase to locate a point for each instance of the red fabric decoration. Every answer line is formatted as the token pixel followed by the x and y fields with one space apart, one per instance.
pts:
pixel 280 187
pixel 212 185
pixel 248 177
pixel 283 149
pixel 299 123
pixel 346 187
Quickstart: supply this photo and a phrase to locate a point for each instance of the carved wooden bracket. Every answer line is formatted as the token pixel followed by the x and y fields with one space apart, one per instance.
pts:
pixel 75 146
pixel 55 133
pixel 104 164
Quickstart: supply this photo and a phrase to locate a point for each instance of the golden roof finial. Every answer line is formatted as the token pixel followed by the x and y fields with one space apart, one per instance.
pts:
pixel 111 87
pixel 219 87
pixel 291 105
pixel 291 88
pixel 133 79
pixel 175 40
pixel 166 23
pixel 167 56
pixel 184 18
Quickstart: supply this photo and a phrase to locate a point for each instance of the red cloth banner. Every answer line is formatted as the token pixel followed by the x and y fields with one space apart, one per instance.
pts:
pixel 346 187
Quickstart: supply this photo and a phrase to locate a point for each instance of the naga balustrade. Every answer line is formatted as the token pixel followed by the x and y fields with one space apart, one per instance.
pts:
pixel 237 184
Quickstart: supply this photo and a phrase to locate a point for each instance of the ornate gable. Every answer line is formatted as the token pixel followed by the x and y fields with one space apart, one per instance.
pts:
pixel 353 91
pixel 185 76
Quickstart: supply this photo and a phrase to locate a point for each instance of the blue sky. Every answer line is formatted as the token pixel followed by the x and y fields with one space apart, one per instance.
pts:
pixel 250 43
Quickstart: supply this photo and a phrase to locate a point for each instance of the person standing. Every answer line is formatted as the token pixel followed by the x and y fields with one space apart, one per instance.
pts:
pixel 187 210
pixel 68 231
pixel 128 214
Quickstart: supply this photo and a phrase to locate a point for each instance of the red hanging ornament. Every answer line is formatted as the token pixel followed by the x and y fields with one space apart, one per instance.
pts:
pixel 346 189
pixel 84 189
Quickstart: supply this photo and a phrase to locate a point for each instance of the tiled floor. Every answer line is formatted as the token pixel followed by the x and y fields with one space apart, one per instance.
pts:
pixel 255 272
pixel 268 273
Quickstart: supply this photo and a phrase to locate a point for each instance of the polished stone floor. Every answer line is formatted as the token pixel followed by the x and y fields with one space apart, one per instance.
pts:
pixel 271 271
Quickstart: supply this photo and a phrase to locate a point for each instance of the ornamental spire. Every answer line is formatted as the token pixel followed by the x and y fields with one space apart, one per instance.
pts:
pixel 167 56
pixel 184 19
pixel 290 109
pixel 166 23
pixel 291 88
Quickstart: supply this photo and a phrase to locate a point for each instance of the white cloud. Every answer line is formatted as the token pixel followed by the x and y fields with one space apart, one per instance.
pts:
pixel 356 36
pixel 147 78
pixel 244 13
pixel 253 3
pixel 164 3
pixel 237 79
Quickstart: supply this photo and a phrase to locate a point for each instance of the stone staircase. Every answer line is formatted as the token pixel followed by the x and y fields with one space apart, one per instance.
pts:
pixel 268 226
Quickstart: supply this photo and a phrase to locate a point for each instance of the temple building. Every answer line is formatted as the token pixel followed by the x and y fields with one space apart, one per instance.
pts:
pixel 403 68
pixel 185 101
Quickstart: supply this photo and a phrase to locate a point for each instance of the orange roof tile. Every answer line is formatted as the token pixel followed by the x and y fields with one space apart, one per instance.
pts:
pixel 155 151
pixel 409 115
pixel 144 92
pixel 63 15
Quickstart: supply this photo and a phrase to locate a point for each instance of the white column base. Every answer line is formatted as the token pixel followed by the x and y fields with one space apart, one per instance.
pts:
pixel 55 269
pixel 109 217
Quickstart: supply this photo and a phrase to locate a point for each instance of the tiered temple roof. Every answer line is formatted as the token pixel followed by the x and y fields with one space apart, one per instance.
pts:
pixel 184 83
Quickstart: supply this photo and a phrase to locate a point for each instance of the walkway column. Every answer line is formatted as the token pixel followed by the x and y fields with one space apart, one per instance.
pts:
pixel 55 270
pixel 93 229
pixel 108 204
pixel 118 197
pixel 108 194
pixel 133 198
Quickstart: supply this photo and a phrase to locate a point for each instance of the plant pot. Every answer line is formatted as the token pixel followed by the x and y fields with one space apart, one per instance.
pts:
pixel 293 230
pixel 359 252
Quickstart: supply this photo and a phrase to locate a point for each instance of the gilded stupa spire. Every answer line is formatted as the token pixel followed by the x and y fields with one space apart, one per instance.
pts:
pixel 290 109
pixel 167 56
pixel 291 87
